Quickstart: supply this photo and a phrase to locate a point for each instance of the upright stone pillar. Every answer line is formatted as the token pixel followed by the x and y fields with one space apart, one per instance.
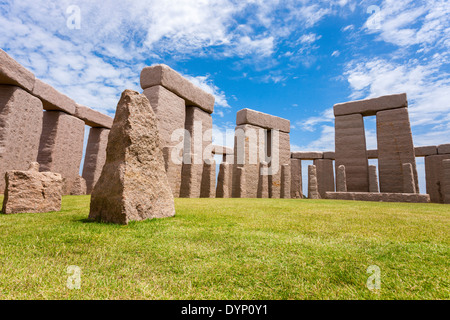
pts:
pixel 395 147
pixel 20 129
pixel 285 181
pixel 208 189
pixel 223 181
pixel 241 183
pixel 341 179
pixel 373 179
pixel 173 165
pixel 263 184
pixel 280 153
pixel 446 181
pixel 351 151
pixel 61 146
pixel 325 176
pixel 434 173
pixel 313 189
pixel 296 179
pixel 190 183
pixel 95 156
pixel 409 185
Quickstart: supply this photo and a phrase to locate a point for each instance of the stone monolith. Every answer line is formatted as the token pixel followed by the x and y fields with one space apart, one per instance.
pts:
pixel 341 179
pixel 313 188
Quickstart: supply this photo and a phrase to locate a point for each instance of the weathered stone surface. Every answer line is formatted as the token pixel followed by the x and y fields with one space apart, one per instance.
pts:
pixel 313 189
pixel 285 181
pixel 208 187
pixel 53 100
pixel 224 181
pixel 13 73
pixel 382 197
pixel 241 183
pixel 93 118
pixel 162 75
pixel 79 187
pixel 373 179
pixel 350 142
pixel 434 174
pixel 263 183
pixel 325 175
pixel 61 146
pixel 446 181
pixel 173 169
pixel 409 185
pixel 263 120
pixel 191 180
pixel 370 107
pixel 20 129
pixel 341 179
pixel 425 151
pixel 95 156
pixel 280 153
pixel 395 147
pixel 329 155
pixel 444 149
pixel 222 150
pixel 372 154
pixel 32 191
pixel 133 184
pixel 296 179
pixel 307 155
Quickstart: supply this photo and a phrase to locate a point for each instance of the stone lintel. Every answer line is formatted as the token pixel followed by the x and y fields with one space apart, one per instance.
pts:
pixel 263 120
pixel 370 107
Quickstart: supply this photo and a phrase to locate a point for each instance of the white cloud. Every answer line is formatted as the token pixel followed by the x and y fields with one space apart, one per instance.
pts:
pixel 205 83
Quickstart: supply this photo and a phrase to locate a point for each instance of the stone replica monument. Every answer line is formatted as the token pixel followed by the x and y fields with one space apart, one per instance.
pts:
pixel 133 185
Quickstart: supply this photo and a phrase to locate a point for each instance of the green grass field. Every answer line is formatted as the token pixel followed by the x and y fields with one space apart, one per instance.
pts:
pixel 231 249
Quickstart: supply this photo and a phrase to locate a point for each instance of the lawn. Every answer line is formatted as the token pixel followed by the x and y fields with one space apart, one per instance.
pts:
pixel 231 249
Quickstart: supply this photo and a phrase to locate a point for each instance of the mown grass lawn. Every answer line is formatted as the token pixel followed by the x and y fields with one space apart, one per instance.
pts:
pixel 231 249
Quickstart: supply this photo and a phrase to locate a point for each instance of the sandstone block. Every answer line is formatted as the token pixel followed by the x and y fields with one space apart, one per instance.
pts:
pixel 350 146
pixel 173 169
pixel 446 181
pixel 222 150
pixel 61 146
pixel 372 154
pixel 133 184
pixel 79 187
pixel 95 156
pixel 263 120
pixel 224 181
pixel 313 189
pixel 191 180
pixel 296 179
pixel 434 173
pixel 307 155
pixel 444 149
pixel 241 182
pixel 373 179
pixel 409 185
pixel 14 74
pixel 20 129
pixel 162 75
pixel 325 175
pixel 425 151
pixel 370 107
pixel 285 181
pixel 208 187
pixel 53 100
pixel 32 191
pixel 329 155
pixel 381 197
pixel 93 118
pixel 341 179
pixel 279 154
pixel 263 183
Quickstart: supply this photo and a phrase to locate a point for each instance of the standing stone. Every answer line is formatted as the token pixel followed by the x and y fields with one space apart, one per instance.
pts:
pixel 313 189
pixel 285 181
pixel 351 151
pixel 446 181
pixel 373 179
pixel 79 187
pixel 173 165
pixel 95 156
pixel 241 182
pixel 296 179
pixel 190 183
pixel 263 184
pixel 61 146
pixel 223 181
pixel 409 185
pixel 20 129
pixel 341 179
pixel 208 188
pixel 434 173
pixel 133 184
pixel 280 153
pixel 395 147
pixel 14 74
pixel 32 191
pixel 325 175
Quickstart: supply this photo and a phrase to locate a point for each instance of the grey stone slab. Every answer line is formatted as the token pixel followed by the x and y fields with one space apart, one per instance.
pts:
pixel 162 75
pixel 93 118
pixel 380 197
pixel 13 73
pixel 263 120
pixel 53 100
pixel 370 107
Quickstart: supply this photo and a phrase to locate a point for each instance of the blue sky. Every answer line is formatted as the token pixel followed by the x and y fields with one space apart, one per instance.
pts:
pixel 293 59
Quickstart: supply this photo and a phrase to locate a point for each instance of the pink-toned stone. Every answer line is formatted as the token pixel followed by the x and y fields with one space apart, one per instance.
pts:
pixel 263 183
pixel 372 154
pixel 93 118
pixel 20 129
pixel 341 179
pixel 325 175
pixel 434 175
pixel 162 75
pixel 296 179
pixel 313 189
pixel 280 153
pixel 446 181
pixel 95 156
pixel 307 155
pixel 425 151
pixel 444 149
pixel 61 146
pixel 222 150
pixel 409 185
pixel 241 183
pixel 191 180
pixel 380 197
pixel 208 187
pixel 224 181
pixel 370 107
pixel 285 181
pixel 373 179
pixel 329 155
pixel 32 191
pixel 133 185
pixel 263 120
pixel 78 187
pixel 53 100
pixel 14 74
pixel 173 169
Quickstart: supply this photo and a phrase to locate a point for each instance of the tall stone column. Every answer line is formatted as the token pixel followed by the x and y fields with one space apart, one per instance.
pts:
pixel 20 129
pixel 341 179
pixel 395 147
pixel 351 151
pixel 373 179
pixel 325 176
pixel 285 181
pixel 409 185
pixel 313 189
pixel 208 188
pixel 434 173
pixel 223 181
pixel 282 146
pixel 263 183
pixel 61 146
pixel 241 183
pixel 296 179
pixel 95 156
pixel 446 181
